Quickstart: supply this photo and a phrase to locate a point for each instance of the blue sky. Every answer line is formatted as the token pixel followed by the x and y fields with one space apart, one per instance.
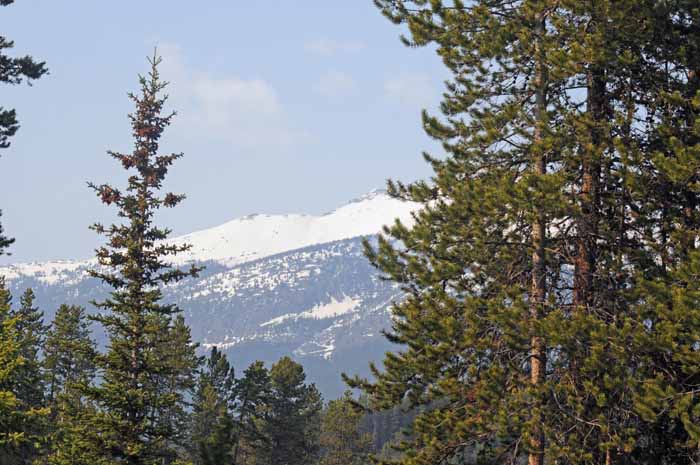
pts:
pixel 284 106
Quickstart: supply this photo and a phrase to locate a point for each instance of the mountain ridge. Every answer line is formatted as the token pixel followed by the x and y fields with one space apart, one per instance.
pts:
pixel 313 296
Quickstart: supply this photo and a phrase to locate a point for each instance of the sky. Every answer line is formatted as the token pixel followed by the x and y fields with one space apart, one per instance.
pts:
pixel 284 106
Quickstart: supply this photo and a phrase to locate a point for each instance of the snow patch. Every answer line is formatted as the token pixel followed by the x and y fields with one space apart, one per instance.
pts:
pixel 330 310
pixel 258 236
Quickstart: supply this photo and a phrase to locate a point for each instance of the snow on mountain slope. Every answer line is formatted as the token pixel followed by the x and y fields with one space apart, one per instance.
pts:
pixel 257 236
pixel 273 285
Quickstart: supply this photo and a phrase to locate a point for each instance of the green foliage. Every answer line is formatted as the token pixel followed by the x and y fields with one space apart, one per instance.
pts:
pixel 342 440
pixel 69 352
pixel 549 273
pixel 69 366
pixel 250 404
pixel 14 71
pixel 148 368
pixel 28 378
pixel 22 413
pixel 5 241
pixel 262 418
pixel 212 428
pixel 291 423
pixel 11 424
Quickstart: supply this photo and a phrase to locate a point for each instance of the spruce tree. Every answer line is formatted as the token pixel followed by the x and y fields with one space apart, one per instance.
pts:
pixel 69 366
pixel 176 350
pixel 22 415
pixel 141 391
pixel 11 424
pixel 32 332
pixel 28 379
pixel 211 436
pixel 69 352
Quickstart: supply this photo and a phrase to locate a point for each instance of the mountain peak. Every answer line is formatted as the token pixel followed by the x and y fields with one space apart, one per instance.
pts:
pixel 257 236
pixel 371 195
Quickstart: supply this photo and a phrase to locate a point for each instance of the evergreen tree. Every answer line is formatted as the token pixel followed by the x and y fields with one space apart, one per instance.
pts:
pixel 342 441
pixel 175 349
pixel 664 200
pixel 212 423
pixel 250 406
pixel 291 425
pixel 141 390
pixel 5 241
pixel 520 336
pixel 13 71
pixel 28 378
pixel 21 413
pixel 69 354
pixel 11 428
pixel 32 335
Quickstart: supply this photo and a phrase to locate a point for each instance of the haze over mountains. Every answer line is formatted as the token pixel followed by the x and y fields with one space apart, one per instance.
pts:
pixel 273 285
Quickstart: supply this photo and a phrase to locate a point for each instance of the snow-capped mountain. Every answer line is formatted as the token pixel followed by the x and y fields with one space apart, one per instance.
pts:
pixel 273 285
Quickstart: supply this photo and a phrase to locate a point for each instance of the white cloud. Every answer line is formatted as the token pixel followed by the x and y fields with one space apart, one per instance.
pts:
pixel 335 85
pixel 330 47
pixel 244 112
pixel 411 89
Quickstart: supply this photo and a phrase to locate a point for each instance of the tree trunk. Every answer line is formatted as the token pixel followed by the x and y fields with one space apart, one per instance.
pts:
pixel 538 290
pixel 585 262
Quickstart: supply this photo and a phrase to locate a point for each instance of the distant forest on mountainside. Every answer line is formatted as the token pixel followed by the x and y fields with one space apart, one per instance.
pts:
pixel 535 300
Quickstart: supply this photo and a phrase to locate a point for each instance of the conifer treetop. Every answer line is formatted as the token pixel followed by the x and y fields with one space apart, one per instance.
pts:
pixel 138 249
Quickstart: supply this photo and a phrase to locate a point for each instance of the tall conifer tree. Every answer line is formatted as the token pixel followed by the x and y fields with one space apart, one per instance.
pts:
pixel 291 425
pixel 249 407
pixel 69 366
pixel 28 379
pixel 211 436
pixel 11 417
pixel 141 390
pixel 519 332
pixel 342 440
pixel 22 414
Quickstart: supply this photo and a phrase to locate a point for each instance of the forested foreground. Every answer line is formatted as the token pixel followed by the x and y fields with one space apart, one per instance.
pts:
pixel 552 279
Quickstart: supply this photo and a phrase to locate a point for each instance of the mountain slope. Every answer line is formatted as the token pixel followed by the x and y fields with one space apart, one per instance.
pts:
pixel 273 286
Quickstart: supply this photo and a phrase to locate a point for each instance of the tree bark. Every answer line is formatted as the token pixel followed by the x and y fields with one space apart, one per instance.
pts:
pixel 585 262
pixel 538 290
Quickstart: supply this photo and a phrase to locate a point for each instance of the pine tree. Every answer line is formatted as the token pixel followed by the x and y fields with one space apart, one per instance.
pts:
pixel 69 354
pixel 518 334
pixel 212 425
pixel 664 199
pixel 250 406
pixel 342 442
pixel 291 425
pixel 141 391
